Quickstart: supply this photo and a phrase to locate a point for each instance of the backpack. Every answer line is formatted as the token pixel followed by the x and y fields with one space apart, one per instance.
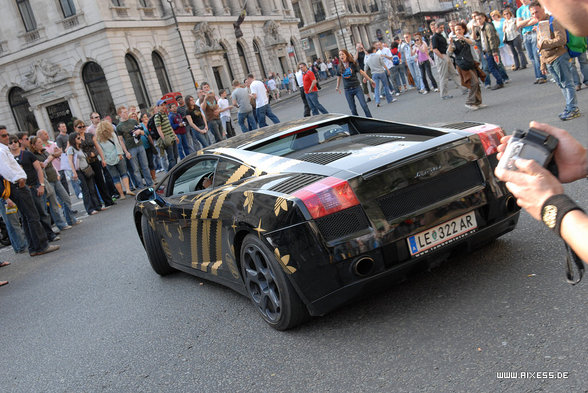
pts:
pixel 152 128
pixel 395 60
pixel 575 45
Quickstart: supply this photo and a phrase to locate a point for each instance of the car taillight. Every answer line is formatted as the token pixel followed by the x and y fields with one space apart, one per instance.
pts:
pixel 490 139
pixel 327 196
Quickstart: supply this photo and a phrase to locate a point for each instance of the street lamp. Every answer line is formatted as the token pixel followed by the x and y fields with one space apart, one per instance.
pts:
pixel 340 26
pixel 170 2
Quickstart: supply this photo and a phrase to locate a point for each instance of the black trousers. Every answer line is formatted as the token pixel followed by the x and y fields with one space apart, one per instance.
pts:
pixel 101 183
pixel 31 222
pixel 306 107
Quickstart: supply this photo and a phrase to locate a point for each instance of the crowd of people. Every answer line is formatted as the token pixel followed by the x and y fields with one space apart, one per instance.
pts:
pixel 107 161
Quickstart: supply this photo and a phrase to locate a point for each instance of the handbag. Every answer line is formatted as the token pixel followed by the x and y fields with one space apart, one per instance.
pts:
pixel 88 171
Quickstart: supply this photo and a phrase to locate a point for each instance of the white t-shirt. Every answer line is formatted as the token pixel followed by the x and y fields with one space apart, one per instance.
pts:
pixel 271 84
pixel 258 88
pixel 386 52
pixel 323 67
pixel 222 104
pixel 299 78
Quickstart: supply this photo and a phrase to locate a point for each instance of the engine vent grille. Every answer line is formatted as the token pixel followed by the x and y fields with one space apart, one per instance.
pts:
pixel 463 125
pixel 323 158
pixel 296 182
pixel 342 223
pixel 375 140
pixel 412 198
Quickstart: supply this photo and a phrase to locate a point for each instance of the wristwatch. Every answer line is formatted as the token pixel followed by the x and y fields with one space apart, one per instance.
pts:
pixel 42 184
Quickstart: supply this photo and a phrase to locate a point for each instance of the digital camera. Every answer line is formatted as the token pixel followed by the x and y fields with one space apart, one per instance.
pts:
pixel 531 145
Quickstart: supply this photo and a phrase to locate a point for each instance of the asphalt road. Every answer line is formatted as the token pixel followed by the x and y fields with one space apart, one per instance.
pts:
pixel 94 317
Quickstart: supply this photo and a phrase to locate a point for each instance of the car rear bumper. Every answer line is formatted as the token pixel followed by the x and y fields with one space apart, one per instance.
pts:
pixel 399 272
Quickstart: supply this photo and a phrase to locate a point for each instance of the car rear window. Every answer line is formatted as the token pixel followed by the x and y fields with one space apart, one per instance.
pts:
pixel 303 139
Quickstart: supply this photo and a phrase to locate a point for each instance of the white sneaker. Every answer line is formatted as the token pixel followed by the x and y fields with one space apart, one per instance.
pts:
pixel 472 107
pixel 436 90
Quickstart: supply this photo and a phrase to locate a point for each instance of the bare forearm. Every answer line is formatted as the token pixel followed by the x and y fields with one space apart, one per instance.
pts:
pixel 574 230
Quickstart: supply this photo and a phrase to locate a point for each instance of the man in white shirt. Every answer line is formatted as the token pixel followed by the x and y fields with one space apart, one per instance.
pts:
pixel 387 57
pixel 300 84
pixel 20 194
pixel 262 106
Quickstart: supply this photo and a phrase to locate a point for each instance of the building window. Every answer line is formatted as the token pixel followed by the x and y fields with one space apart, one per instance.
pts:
pixel 97 89
pixel 67 7
pixel 118 3
pixel 298 14
pixel 319 10
pixel 26 13
pixel 22 111
pixel 259 59
pixel 161 73
pixel 242 58
pixel 137 82
pixel 144 3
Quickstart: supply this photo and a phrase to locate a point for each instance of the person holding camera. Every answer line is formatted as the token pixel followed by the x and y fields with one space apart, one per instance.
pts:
pixel 536 189
pixel 130 131
pixel 540 193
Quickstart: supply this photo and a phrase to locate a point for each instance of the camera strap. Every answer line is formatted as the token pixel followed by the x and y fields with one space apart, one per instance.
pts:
pixel 571 260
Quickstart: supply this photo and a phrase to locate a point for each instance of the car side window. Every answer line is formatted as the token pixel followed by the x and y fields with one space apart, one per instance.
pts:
pixel 229 171
pixel 194 176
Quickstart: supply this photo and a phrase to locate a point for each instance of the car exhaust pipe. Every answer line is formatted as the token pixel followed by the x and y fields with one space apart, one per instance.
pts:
pixel 511 204
pixel 363 266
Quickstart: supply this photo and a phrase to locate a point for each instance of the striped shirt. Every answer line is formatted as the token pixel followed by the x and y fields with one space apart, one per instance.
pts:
pixel 162 121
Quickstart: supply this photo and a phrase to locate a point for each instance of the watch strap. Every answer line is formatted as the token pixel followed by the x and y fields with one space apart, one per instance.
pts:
pixel 554 209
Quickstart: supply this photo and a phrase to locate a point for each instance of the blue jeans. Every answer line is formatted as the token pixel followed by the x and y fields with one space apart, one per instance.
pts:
pixel 264 111
pixel 416 74
pixel 380 80
pixel 315 105
pixel 251 123
pixel 493 68
pixel 172 155
pixel 561 72
pixel 395 77
pixel 54 207
pixel 184 147
pixel 583 60
pixel 140 165
pixel 201 138
pixel 15 232
pixel 65 201
pixel 357 92
pixel 530 40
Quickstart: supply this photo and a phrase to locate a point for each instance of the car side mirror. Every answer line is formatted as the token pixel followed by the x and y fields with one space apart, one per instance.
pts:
pixel 147 194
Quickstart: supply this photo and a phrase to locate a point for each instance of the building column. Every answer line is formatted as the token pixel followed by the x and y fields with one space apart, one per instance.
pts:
pixel 355 32
pixel 217 8
pixel 266 7
pixel 317 47
pixel 42 121
pixel 366 39
pixel 199 7
pixel 235 7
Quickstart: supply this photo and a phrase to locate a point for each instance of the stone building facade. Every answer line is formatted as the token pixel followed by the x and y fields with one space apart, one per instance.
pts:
pixel 329 25
pixel 62 59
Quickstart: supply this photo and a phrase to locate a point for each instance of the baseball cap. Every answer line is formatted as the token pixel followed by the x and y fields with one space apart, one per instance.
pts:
pixel 161 102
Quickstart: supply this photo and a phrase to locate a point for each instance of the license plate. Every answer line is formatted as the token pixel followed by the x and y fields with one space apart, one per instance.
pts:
pixel 442 234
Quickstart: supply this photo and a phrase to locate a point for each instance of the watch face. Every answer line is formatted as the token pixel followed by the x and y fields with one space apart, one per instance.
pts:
pixel 550 216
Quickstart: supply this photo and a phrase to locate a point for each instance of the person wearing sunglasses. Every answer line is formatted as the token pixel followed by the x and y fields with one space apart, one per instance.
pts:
pixel 13 185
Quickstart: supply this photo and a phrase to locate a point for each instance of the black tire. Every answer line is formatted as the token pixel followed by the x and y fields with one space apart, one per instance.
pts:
pixel 155 253
pixel 268 287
